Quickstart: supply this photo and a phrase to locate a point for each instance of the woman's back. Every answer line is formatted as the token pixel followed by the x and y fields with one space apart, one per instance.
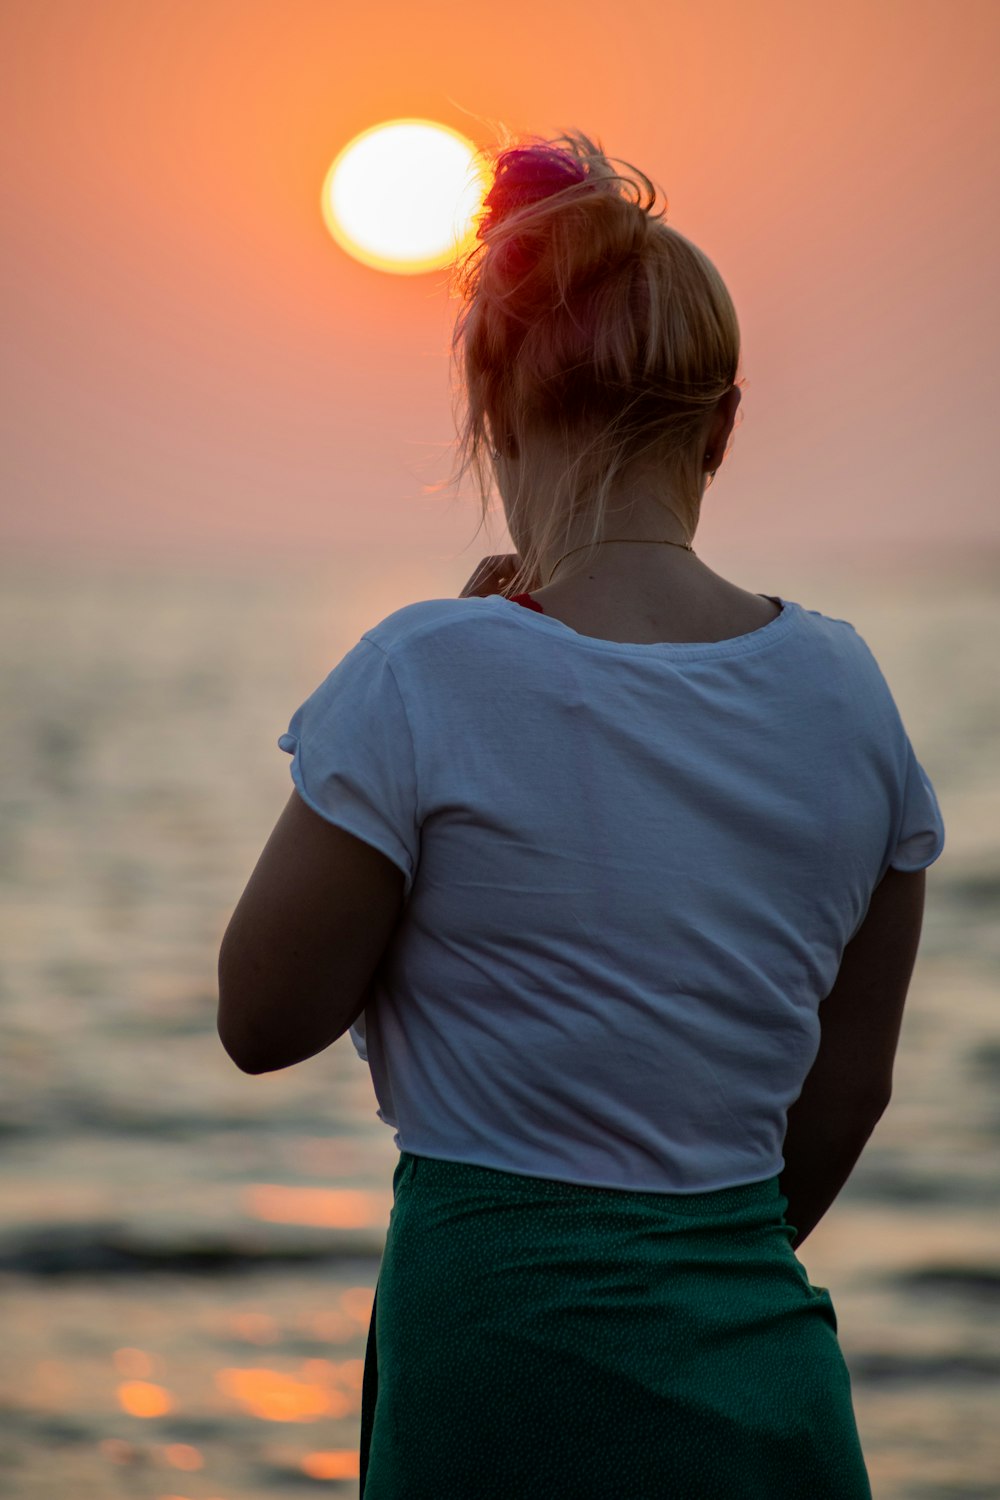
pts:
pixel 635 868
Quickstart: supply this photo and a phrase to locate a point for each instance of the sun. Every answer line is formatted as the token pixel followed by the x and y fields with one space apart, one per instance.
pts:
pixel 401 196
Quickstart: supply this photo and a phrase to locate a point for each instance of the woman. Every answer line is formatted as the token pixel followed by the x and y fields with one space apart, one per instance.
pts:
pixel 652 848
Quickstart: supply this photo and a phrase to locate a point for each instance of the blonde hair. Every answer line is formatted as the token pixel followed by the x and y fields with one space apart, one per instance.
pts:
pixel 588 319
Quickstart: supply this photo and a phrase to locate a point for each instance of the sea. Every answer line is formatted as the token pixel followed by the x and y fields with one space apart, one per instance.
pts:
pixel 188 1253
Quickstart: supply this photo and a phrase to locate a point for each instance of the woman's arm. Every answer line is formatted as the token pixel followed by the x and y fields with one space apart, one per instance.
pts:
pixel 850 1083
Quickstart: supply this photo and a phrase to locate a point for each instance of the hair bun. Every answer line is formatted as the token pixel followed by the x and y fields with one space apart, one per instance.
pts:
pixel 527 174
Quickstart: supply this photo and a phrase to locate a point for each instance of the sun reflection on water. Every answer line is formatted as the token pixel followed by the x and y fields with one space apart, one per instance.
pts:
pixel 330 1208
pixel 336 1463
pixel 182 1456
pixel 141 1398
pixel 277 1396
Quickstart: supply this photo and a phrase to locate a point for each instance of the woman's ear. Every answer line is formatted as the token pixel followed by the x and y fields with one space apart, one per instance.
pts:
pixel 722 424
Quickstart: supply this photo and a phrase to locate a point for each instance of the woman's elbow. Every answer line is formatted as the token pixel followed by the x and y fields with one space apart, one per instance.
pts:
pixel 236 1051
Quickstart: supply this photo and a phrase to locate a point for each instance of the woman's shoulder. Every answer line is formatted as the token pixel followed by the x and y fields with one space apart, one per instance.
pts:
pixel 424 617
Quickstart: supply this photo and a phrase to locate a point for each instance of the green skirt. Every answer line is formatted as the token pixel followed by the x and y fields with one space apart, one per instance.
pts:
pixel 539 1338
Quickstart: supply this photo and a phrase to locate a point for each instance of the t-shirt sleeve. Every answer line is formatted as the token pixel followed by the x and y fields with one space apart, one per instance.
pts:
pixel 353 757
pixel 920 831
pixel 916 831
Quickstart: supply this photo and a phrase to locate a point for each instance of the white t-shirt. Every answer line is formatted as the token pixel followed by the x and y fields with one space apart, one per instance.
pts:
pixel 631 872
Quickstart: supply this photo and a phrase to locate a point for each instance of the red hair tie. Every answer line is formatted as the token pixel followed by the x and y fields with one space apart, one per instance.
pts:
pixel 527 174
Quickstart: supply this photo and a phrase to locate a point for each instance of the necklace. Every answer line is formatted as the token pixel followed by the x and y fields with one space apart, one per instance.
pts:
pixel 641 540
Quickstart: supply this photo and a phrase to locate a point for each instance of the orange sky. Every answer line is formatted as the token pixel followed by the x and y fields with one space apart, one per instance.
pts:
pixel 192 365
